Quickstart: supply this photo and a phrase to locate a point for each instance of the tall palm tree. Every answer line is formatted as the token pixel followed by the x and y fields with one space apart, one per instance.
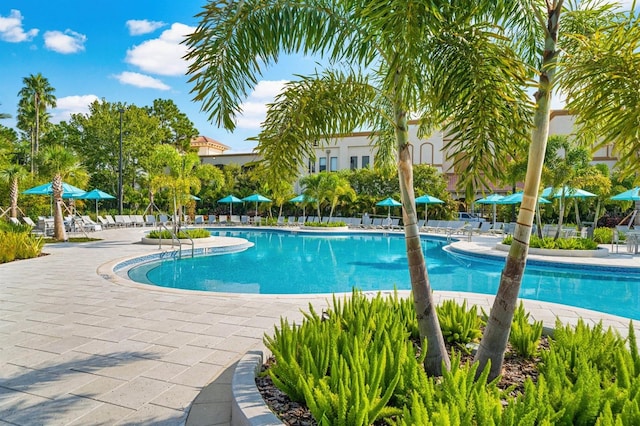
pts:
pixel 60 163
pixel 38 92
pixel 12 174
pixel 437 60
pixel 544 18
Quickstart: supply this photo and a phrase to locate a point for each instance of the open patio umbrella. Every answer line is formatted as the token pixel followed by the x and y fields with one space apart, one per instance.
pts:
pixel 257 198
pixel 492 199
pixel 516 198
pixel 388 202
pixel 95 194
pixel 68 191
pixel 630 195
pixel 426 200
pixel 567 191
pixel 230 199
pixel 302 198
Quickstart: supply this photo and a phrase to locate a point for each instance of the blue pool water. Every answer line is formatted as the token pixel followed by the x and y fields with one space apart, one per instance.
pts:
pixel 285 263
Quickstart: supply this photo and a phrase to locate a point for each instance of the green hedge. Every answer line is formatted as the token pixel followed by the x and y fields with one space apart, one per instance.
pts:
pixel 559 244
pixel 183 234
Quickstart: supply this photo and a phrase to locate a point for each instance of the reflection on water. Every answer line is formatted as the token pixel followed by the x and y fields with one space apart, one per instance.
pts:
pixel 282 263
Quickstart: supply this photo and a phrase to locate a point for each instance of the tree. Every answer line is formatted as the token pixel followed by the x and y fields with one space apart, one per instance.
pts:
pixel 96 137
pixel 316 187
pixel 179 176
pixel 13 174
pixel 601 86
pixel 60 163
pixel 175 127
pixel 546 20
pixel 438 60
pixel 35 97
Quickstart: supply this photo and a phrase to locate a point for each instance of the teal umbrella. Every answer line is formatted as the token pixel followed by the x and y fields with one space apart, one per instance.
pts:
pixel 68 191
pixel 492 199
pixel 388 202
pixel 567 191
pixel 630 195
pixel 95 194
pixel 426 200
pixel 230 199
pixel 257 198
pixel 302 198
pixel 516 198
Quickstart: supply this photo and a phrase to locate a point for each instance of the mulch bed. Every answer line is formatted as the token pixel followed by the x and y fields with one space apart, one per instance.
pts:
pixel 515 370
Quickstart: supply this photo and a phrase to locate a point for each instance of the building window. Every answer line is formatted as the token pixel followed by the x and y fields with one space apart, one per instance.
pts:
pixel 353 163
pixel 312 166
pixel 334 164
pixel 365 161
pixel 323 164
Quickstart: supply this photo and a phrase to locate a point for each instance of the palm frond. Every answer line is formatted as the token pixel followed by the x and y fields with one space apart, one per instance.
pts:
pixel 310 112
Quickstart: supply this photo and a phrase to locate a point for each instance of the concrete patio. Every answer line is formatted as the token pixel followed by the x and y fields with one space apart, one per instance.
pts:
pixel 80 346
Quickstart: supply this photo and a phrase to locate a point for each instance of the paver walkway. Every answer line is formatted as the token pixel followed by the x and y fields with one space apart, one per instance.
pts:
pixel 78 348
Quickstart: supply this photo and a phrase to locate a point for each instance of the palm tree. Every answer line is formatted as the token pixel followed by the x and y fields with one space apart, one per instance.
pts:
pixel 438 60
pixel 339 188
pixel 316 187
pixel 60 163
pixel 179 175
pixel 606 104
pixel 39 93
pixel 545 19
pixel 12 174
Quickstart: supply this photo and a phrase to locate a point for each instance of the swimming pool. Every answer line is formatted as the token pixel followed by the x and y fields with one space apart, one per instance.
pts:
pixel 287 263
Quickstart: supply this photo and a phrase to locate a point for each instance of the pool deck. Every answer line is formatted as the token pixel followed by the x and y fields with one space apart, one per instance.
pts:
pixel 80 345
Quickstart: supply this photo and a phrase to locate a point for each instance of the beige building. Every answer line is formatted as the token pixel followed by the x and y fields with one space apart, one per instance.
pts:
pixel 354 151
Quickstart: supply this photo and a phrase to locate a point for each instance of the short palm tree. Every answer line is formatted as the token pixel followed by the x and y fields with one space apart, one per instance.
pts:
pixel 60 163
pixel 13 174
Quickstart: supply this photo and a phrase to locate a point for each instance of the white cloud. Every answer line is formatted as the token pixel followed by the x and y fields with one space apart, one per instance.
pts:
pixel 11 28
pixel 254 110
pixel 68 105
pixel 141 80
pixel 139 27
pixel 162 55
pixel 64 42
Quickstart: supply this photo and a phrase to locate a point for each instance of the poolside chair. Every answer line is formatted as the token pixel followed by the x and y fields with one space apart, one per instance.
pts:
pixel 198 220
pixel 212 220
pixel 112 221
pixel 14 221
pixel 88 223
pixel 103 222
pixel 234 219
pixel 137 219
pixel 150 220
pixel 301 220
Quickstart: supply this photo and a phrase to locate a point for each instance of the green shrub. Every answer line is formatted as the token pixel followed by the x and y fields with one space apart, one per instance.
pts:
pixel 559 244
pixel 183 234
pixel 355 365
pixel 459 325
pixel 325 225
pixel 603 235
pixel 17 242
pixel 524 336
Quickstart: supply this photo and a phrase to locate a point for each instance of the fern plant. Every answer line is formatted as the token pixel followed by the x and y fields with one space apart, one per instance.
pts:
pixel 525 336
pixel 459 325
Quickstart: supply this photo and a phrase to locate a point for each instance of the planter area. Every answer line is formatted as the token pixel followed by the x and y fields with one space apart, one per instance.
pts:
pixel 600 252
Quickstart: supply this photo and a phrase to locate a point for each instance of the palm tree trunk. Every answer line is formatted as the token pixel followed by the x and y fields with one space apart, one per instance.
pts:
pixel 59 232
pixel 428 323
pixel 496 335
pixel 13 197
pixel 560 217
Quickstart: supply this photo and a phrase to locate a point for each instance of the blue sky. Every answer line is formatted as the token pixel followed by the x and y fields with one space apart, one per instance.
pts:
pixel 122 51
